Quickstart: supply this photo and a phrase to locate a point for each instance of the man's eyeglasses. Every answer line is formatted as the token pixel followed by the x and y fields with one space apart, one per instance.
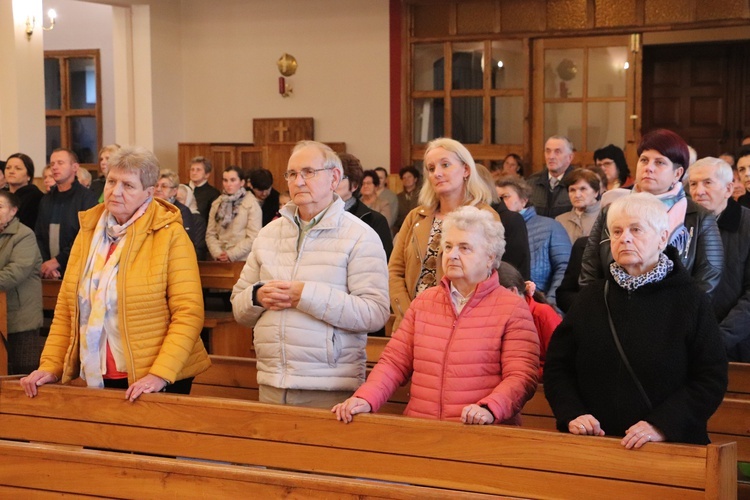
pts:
pixel 306 173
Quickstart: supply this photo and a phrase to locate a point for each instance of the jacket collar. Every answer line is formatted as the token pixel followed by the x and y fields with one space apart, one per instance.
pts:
pixel 729 220
pixel 483 288
pixel 329 219
pixel 543 177
pixel 528 213
pixel 12 227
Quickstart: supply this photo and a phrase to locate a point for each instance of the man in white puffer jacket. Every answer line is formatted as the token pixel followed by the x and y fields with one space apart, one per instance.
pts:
pixel 315 282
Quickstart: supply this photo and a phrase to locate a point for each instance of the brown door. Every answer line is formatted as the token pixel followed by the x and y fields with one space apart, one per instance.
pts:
pixel 700 91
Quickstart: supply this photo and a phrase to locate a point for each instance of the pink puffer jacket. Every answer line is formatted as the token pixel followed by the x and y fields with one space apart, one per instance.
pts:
pixel 487 355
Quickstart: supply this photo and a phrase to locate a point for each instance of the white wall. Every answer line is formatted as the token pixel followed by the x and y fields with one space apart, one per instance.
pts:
pixel 229 54
pixel 83 25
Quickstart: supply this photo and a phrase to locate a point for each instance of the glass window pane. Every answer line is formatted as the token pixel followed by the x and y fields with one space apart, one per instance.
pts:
pixel 508 64
pixel 53 138
pixel 51 84
pixel 606 124
pixel 607 69
pixel 82 82
pixel 507 120
pixel 467 119
pixel 83 138
pixel 563 77
pixel 468 65
pixel 429 65
pixel 564 118
pixel 429 121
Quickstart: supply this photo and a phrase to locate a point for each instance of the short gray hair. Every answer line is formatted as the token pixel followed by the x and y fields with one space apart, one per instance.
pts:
pixel 330 158
pixel 138 160
pixel 467 218
pixel 567 141
pixel 723 169
pixel 643 206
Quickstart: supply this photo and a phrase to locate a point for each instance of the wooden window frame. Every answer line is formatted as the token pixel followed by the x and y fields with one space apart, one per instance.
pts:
pixel 61 116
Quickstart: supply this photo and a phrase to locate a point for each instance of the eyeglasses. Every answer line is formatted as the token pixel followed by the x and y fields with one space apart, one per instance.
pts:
pixel 306 173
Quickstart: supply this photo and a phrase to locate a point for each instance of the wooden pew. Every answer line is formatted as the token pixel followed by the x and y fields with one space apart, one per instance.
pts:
pixel 219 275
pixel 490 460
pixel 48 469
pixel 50 290
pixel 236 378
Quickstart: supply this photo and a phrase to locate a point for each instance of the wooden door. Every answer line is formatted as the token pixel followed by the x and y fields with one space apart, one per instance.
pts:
pixel 700 91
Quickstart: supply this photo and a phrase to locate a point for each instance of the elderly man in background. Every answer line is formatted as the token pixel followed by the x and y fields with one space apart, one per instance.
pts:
pixel 549 194
pixel 711 185
pixel 314 284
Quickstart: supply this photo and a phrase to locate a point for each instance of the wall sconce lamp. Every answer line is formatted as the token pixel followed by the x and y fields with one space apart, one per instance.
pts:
pixel 31 22
pixel 287 67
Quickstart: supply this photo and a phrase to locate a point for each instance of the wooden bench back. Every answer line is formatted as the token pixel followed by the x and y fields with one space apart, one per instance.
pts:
pixel 116 475
pixel 493 460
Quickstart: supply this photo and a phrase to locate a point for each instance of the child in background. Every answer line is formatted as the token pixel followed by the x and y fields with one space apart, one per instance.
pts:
pixel 545 317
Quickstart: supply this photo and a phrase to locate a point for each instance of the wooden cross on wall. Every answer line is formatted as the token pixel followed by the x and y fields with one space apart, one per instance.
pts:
pixel 280 129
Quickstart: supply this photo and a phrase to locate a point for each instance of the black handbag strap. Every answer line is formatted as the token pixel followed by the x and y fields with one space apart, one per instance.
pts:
pixel 622 353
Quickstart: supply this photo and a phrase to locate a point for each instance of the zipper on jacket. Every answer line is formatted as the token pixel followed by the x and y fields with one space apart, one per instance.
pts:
pixel 445 360
pixel 121 303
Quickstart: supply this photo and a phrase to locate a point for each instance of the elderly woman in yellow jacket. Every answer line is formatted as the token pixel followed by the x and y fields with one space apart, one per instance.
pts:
pixel 130 308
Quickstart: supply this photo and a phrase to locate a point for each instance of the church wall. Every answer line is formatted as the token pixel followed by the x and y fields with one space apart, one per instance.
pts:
pixel 229 54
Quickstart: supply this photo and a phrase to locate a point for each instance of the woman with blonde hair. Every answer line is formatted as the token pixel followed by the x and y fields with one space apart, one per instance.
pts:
pixel 452 182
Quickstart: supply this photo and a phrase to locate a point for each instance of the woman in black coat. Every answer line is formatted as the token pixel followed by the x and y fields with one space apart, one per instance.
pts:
pixel 672 372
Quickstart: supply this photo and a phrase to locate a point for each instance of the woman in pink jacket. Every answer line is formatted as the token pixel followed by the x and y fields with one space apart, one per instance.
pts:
pixel 468 345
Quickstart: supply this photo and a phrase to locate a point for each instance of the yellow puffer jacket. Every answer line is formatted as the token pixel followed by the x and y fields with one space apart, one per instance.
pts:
pixel 159 295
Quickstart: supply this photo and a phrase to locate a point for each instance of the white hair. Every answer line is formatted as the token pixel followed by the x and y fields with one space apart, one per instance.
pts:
pixel 645 207
pixel 467 218
pixel 723 169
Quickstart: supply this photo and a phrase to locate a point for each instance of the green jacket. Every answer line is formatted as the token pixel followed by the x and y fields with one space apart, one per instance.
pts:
pixel 20 262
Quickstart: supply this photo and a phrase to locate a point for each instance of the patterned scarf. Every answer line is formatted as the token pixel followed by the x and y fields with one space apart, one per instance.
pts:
pixel 229 206
pixel 676 203
pixel 630 283
pixel 428 276
pixel 97 299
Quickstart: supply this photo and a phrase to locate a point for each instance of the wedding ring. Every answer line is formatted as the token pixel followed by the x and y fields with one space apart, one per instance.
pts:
pixel 648 437
pixel 583 427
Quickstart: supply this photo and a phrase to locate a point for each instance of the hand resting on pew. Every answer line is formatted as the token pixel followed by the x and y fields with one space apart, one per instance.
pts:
pixel 36 379
pixel 345 411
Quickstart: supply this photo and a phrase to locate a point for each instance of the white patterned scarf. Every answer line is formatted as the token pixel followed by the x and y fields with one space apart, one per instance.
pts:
pixel 97 299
